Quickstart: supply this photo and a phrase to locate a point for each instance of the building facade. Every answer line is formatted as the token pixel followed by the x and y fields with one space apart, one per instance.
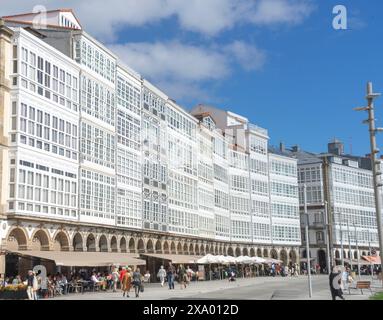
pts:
pixel 340 186
pixel 96 158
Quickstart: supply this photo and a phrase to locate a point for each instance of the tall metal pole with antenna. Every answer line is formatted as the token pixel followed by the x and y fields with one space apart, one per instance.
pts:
pixel 375 164
pixel 306 215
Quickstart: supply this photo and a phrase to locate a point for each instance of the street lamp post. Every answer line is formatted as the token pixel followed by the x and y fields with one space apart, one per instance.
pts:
pixel 307 241
pixel 375 164
pixel 357 250
pixel 341 238
pixel 370 254
pixel 327 238
pixel 349 244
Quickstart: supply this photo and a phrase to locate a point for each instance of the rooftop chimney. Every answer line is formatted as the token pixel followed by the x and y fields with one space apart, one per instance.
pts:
pixel 295 148
pixel 336 147
pixel 282 147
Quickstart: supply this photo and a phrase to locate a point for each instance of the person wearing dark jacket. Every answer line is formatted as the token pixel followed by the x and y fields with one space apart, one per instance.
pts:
pixel 335 284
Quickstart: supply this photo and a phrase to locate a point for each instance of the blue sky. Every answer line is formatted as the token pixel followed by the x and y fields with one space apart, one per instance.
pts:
pixel 278 62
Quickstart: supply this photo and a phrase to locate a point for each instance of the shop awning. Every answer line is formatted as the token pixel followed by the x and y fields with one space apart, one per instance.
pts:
pixel 372 259
pixel 354 261
pixel 174 258
pixel 85 259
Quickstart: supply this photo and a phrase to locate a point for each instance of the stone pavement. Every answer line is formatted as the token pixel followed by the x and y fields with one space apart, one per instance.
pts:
pixel 260 288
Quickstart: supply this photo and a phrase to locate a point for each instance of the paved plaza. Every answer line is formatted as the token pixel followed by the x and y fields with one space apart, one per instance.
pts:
pixel 261 288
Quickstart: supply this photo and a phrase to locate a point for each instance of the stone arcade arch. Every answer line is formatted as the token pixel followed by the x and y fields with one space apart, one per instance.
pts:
pixel 91 243
pixel 245 251
pixel 113 244
pixel 230 251
pixel 77 242
pixel 293 256
pixel 149 246
pixel 173 247
pixel 123 245
pixel 191 249
pixel 40 241
pixel 220 251
pixel 131 245
pixel 158 246
pixel 196 249
pixel 202 250
pixel 337 254
pixel 17 239
pixel 216 250
pixel 207 249
pixel 265 253
pixel 259 252
pixel 185 248
pixel 179 248
pixel 166 247
pixel 237 252
pixel 273 254
pixel 103 244
pixel 252 252
pixel 141 246
pixel 61 242
pixel 283 256
pixel 355 254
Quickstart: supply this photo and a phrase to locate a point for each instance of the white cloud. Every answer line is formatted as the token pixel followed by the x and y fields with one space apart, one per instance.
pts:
pixel 184 69
pixel 248 56
pixel 268 12
pixel 103 18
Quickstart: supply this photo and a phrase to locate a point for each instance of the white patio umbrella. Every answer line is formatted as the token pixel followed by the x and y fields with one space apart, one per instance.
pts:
pixel 258 260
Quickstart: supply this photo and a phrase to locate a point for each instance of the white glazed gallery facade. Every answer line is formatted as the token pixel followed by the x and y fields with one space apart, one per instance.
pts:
pixel 96 158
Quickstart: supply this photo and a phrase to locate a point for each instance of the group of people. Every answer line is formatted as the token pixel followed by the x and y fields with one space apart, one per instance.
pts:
pixel 181 274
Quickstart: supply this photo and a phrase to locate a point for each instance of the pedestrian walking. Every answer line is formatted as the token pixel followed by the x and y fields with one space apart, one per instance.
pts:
pixel 170 277
pixel 181 276
pixel 126 283
pixel 115 278
pixel 30 278
pixel 161 275
pixel 137 282
pixel 335 284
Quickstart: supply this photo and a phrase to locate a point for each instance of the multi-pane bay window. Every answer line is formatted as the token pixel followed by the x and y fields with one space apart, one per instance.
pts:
pixel 95 59
pixel 285 210
pixel 352 177
pixel 238 160
pixel 240 230
pixel 258 166
pixel 239 183
pixel 261 231
pixel 45 77
pixel 128 168
pixel 313 194
pixel 97 145
pixel 284 189
pixel 129 208
pixel 239 205
pixel 220 173
pixel 286 233
pixel 260 208
pixel 97 100
pixel 128 96
pixel 283 168
pixel 97 195
pixel 221 199
pixel 258 145
pixel 48 131
pixel 45 190
pixel 259 187
pixel 128 130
